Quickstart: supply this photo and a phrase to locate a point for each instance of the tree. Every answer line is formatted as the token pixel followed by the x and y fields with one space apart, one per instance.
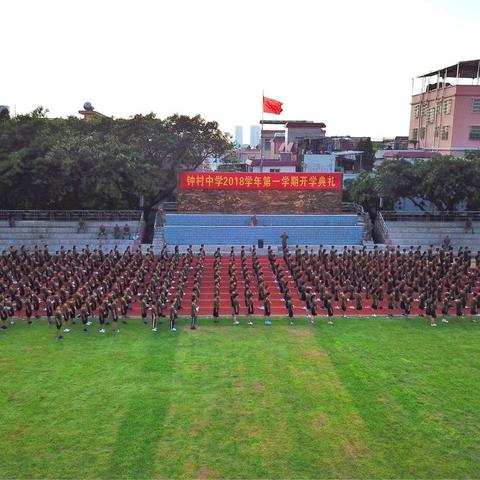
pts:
pixel 104 164
pixel 447 181
pixel 400 178
pixel 169 146
pixel 368 156
pixel 230 162
pixel 364 192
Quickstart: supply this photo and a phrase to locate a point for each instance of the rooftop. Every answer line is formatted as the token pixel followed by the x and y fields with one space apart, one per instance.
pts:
pixel 465 69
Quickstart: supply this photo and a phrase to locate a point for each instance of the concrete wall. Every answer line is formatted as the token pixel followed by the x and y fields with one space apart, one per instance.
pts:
pixel 318 163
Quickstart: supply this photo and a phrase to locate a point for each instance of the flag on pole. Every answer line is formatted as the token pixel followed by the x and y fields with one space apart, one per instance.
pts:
pixel 272 106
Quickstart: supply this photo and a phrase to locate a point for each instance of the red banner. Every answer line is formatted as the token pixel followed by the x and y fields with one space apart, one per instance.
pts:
pixel 260 181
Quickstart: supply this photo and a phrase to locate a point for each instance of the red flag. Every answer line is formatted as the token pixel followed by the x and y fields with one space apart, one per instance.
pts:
pixel 272 106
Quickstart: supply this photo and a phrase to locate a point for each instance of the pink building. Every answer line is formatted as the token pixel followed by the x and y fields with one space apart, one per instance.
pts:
pixel 445 115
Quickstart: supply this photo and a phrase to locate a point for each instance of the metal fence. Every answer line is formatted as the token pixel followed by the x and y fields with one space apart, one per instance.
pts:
pixel 391 215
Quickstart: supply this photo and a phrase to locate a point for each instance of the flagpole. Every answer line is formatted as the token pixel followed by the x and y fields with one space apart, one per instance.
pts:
pixel 261 135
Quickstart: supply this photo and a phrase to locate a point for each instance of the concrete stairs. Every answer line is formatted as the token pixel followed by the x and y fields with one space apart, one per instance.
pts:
pixel 31 233
pixel 425 233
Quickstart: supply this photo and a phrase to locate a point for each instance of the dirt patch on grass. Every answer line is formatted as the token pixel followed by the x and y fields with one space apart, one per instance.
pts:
pixel 301 332
pixel 239 387
pixel 258 386
pixel 314 354
pixel 356 450
pixel 200 423
pixel 205 472
pixel 16 434
pixel 320 422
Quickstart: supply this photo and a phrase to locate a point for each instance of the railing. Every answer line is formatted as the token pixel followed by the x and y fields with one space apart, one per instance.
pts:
pixel 473 215
pixel 353 207
pixel 72 215
pixel 380 230
pixel 141 228
pixel 170 206
pixel 368 229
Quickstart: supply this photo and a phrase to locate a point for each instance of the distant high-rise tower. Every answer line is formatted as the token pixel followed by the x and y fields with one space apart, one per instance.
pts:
pixel 239 135
pixel 254 135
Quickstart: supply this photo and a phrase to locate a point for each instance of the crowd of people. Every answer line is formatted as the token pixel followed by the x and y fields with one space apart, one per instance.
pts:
pixel 84 286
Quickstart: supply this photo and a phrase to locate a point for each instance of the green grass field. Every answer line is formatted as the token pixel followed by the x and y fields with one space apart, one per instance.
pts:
pixel 376 398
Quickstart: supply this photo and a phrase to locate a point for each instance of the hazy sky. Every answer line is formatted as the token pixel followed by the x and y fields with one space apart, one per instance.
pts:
pixel 346 63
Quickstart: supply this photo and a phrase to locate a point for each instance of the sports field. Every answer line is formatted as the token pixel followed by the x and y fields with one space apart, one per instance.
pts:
pixel 376 398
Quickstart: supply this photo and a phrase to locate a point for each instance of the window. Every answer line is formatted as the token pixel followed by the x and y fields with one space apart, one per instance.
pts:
pixel 424 110
pixel 476 105
pixel 447 107
pixel 415 134
pixel 423 130
pixel 439 107
pixel 274 170
pixel 417 111
pixel 437 132
pixel 445 132
pixel 431 115
pixel 474 133
pixel 267 144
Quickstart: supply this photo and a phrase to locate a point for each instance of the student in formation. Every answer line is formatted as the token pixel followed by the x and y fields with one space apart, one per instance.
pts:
pixel 343 300
pixel 3 315
pixel 358 300
pixel 458 309
pixel 144 308
pixel 102 316
pixel 216 307
pixel 84 317
pixel 431 311
pixel 58 323
pixel 160 307
pixel 235 308
pixel 329 308
pixel 313 306
pixel 267 308
pixel 193 325
pixel 445 308
pixel 49 310
pixel 153 317
pixel 173 318
pixel 250 309
pixel 474 307
pixel 407 304
pixel 28 311
pixel 112 306
pixel 65 317
pixel 289 306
